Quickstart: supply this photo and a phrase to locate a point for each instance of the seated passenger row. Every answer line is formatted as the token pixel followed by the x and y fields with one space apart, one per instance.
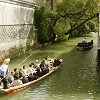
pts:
pixel 32 72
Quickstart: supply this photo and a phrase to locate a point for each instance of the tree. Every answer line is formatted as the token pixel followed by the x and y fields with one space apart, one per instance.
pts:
pixel 43 22
pixel 70 17
pixel 78 12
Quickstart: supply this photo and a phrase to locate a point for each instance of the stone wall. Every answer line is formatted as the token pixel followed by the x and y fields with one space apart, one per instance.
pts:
pixel 17 30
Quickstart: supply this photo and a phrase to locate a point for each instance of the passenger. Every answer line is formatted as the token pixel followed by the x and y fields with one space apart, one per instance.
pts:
pixel 37 70
pixel 57 62
pixel 44 66
pixel 44 62
pixel 37 63
pixel 29 70
pixel 45 70
pixel 24 79
pixel 15 72
pixel 48 58
pixel 11 77
pixel 50 61
pixel 31 77
pixel 4 72
pixel 34 67
pixel 17 81
pixel 24 70
pixel 21 74
pixel 90 43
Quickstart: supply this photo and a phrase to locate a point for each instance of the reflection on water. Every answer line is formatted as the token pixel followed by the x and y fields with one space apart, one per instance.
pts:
pixel 78 78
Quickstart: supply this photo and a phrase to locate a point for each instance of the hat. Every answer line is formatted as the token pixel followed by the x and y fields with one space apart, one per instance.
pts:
pixel 6 61
pixel 36 61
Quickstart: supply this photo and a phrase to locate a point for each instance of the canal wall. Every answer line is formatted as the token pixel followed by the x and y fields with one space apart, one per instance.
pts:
pixel 17 31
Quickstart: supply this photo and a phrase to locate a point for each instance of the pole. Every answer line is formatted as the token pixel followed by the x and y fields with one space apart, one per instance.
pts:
pixel 17 66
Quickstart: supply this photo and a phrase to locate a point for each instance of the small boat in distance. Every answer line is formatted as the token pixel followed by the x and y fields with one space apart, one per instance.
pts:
pixel 85 46
pixel 14 89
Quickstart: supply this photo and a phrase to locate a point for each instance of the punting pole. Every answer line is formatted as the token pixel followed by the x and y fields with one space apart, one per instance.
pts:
pixel 17 66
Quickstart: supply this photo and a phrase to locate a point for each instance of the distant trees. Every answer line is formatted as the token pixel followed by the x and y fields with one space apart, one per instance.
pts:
pixel 71 17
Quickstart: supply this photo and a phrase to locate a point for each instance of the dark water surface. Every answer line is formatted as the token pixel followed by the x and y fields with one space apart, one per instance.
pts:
pixel 77 79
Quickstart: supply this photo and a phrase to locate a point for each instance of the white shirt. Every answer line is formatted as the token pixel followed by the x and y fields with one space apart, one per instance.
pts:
pixel 84 40
pixel 24 71
pixel 4 68
pixel 29 70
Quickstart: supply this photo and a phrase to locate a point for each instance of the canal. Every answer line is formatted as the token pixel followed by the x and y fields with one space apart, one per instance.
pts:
pixel 78 78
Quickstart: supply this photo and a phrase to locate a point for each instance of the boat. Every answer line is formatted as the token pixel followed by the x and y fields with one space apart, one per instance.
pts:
pixel 85 46
pixel 12 90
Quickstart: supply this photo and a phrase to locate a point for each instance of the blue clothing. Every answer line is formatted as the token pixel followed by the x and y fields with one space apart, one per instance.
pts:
pixel 10 79
pixel 4 68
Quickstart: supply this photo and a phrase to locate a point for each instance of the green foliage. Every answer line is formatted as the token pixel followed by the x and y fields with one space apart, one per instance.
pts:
pixel 61 36
pixel 72 17
pixel 61 27
pixel 79 12
pixel 83 29
pixel 92 26
pixel 42 20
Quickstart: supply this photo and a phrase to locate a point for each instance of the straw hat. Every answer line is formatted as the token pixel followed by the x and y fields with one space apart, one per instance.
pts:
pixel 6 61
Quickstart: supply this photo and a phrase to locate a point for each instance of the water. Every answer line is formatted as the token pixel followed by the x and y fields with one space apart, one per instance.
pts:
pixel 78 78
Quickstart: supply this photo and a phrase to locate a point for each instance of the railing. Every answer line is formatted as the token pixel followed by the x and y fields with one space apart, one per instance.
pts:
pixel 14 32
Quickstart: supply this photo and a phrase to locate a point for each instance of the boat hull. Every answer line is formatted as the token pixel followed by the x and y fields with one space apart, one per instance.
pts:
pixel 84 48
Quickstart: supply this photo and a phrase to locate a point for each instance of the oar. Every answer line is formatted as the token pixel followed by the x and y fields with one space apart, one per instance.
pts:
pixel 16 67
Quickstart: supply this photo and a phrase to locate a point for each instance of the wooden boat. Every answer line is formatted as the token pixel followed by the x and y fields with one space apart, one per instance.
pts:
pixel 85 46
pixel 12 90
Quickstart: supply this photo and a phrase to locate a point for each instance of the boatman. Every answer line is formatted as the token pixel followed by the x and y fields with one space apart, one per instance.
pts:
pixel 4 72
pixel 84 40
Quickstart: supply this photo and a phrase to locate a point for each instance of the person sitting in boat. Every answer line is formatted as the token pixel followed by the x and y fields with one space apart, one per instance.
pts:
pixel 4 72
pixel 44 67
pixel 57 62
pixel 37 63
pixel 21 74
pixel 11 77
pixel 35 69
pixel 31 77
pixel 45 70
pixel 44 62
pixel 39 72
pixel 50 61
pixel 90 43
pixel 24 70
pixel 24 79
pixel 30 69
pixel 17 81
pixel 15 72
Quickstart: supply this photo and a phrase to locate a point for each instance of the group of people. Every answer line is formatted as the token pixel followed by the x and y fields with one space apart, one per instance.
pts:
pixel 84 43
pixel 25 74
